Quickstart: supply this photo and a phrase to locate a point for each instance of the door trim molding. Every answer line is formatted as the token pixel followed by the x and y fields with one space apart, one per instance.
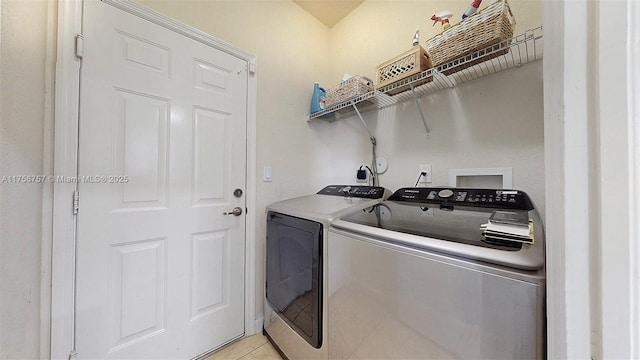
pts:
pixel 592 149
pixel 633 101
pixel 67 90
pixel 178 27
pixel 567 180
pixel 67 94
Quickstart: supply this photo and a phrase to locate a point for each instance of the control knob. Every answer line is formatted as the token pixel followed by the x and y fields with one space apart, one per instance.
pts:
pixel 446 193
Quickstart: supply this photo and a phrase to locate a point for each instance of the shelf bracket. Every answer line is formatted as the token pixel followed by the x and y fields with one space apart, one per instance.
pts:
pixel 371 137
pixel 424 121
pixel 446 79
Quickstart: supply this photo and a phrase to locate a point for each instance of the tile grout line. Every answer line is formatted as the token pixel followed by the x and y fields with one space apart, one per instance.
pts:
pixel 254 349
pixel 244 350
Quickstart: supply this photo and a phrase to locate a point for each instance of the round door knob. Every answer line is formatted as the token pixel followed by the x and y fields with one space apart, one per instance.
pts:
pixel 237 211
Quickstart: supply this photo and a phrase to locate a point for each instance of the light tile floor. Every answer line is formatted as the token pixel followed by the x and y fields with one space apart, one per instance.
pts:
pixel 256 347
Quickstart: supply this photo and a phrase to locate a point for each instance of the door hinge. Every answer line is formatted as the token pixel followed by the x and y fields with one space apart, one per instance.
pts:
pixel 251 67
pixel 76 202
pixel 79 46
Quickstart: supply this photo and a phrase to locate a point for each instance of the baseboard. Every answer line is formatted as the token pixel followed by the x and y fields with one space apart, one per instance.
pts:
pixel 258 326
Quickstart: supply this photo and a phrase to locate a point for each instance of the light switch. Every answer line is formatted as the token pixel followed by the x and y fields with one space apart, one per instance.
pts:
pixel 266 174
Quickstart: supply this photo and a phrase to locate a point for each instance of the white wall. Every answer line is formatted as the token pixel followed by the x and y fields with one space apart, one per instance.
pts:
pixel 23 86
pixel 378 30
pixel 492 122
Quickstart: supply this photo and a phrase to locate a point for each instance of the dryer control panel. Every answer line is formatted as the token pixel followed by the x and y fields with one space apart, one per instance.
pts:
pixel 367 192
pixel 449 197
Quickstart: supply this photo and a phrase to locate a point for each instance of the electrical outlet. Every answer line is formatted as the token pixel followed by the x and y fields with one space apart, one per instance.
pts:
pixel 427 169
pixel 362 176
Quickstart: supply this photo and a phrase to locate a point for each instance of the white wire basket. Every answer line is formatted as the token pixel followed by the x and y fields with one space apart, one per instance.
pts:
pixel 348 89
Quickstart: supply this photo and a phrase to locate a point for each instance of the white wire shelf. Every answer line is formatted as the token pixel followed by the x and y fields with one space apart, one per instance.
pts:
pixel 522 49
pixel 372 100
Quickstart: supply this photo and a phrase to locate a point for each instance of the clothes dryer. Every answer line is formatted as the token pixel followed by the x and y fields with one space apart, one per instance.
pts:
pixel 296 267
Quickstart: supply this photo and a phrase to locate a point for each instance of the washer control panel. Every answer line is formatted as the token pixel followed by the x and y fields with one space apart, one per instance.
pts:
pixel 367 192
pixel 446 197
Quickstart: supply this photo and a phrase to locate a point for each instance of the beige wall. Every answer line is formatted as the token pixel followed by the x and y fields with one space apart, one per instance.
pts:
pixel 378 30
pixel 493 122
pixel 22 127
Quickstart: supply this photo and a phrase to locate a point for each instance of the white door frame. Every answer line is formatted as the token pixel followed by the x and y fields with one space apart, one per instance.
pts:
pixel 566 179
pixel 592 178
pixel 67 94
pixel 634 116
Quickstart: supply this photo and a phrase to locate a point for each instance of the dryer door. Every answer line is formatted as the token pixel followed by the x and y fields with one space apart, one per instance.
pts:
pixel 294 273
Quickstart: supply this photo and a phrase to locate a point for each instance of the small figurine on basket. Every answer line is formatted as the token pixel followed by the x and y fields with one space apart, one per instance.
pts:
pixel 442 17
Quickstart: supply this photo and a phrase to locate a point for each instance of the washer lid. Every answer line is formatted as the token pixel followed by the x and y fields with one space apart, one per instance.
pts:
pixel 461 226
pixel 456 232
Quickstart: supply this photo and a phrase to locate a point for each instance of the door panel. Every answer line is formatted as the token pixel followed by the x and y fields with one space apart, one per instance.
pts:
pixel 210 273
pixel 138 277
pixel 142 54
pixel 141 148
pixel 163 144
pixel 210 145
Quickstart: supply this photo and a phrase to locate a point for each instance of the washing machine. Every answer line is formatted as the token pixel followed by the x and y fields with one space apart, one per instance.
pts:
pixel 420 277
pixel 296 268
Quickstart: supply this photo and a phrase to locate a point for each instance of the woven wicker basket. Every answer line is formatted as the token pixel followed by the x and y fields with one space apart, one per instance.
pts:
pixel 491 26
pixel 406 65
pixel 348 89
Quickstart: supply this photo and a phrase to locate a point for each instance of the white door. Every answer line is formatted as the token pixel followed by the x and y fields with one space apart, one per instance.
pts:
pixel 162 147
